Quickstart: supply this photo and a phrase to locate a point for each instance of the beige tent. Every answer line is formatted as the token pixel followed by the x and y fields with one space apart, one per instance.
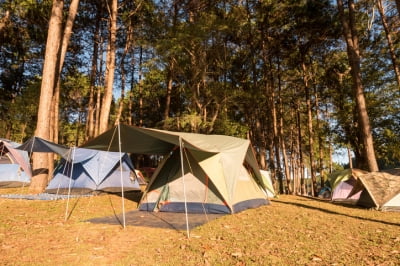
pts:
pixel 269 184
pixel 380 190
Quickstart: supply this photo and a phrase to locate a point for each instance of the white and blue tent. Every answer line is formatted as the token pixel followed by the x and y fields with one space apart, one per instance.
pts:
pixel 87 170
pixel 15 170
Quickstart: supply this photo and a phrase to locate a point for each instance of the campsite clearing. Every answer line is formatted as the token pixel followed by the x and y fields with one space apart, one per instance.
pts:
pixel 292 230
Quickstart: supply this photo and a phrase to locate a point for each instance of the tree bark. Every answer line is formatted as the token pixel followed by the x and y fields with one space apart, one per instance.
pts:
pixel 300 163
pixel 310 129
pixel 110 67
pixel 169 92
pixel 140 88
pixel 50 68
pixel 128 45
pixel 283 146
pixel 73 8
pixel 4 20
pixel 398 7
pixel 320 167
pixel 351 36
pixel 388 33
pixel 131 91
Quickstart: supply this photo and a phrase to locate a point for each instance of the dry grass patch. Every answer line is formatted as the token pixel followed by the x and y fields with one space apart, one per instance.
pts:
pixel 292 230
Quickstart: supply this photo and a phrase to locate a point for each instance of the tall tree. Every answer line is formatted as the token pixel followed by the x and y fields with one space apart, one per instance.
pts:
pixel 110 66
pixel 73 8
pixel 90 121
pixel 389 38
pixel 398 6
pixel 350 35
pixel 50 68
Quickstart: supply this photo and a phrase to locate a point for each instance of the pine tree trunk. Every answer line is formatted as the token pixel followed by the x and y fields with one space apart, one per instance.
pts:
pixel 50 68
pixel 300 163
pixel 140 88
pixel 168 94
pixel 131 92
pixel 90 121
pixel 123 77
pixel 351 37
pixel 54 120
pixel 310 131
pixel 320 167
pixel 276 143
pixel 398 6
pixel 4 20
pixel 283 149
pixel 110 67
pixel 388 33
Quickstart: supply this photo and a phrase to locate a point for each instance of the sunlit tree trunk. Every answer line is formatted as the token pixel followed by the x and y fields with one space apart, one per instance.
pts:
pixel 73 8
pixel 389 41
pixel 90 121
pixel 168 95
pixel 259 137
pixel 4 20
pixel 171 69
pixel 131 92
pixel 262 158
pixel 320 167
pixel 300 150
pixel 140 87
pixel 50 69
pixel 292 159
pixel 398 6
pixel 283 149
pixel 310 131
pixel 351 36
pixel 276 144
pixel 330 149
pixel 110 67
pixel 127 49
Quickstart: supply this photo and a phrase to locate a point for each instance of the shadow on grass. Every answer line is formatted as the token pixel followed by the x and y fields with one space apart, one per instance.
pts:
pixel 68 213
pixel 337 213
pixel 167 220
pixel 134 195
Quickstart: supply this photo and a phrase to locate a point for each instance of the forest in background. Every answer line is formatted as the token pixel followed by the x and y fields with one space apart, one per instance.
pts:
pixel 281 73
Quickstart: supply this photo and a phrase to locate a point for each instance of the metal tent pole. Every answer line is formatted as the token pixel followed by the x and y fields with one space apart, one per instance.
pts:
pixel 70 180
pixel 121 176
pixel 184 187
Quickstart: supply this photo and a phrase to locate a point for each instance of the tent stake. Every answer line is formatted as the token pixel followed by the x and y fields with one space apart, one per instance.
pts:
pixel 184 187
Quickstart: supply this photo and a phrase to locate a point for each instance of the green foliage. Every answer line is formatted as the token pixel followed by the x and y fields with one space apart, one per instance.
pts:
pixel 232 64
pixel 230 128
pixel 21 113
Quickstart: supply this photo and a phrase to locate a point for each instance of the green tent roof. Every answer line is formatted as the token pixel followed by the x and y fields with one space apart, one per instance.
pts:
pixel 140 140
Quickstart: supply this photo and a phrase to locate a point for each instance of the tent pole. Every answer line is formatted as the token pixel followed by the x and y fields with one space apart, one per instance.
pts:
pixel 70 181
pixel 122 180
pixel 184 187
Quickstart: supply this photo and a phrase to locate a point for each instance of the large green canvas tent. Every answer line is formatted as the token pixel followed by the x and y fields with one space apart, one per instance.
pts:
pixel 200 173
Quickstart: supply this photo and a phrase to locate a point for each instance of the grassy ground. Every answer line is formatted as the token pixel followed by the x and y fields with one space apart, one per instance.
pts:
pixel 292 230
